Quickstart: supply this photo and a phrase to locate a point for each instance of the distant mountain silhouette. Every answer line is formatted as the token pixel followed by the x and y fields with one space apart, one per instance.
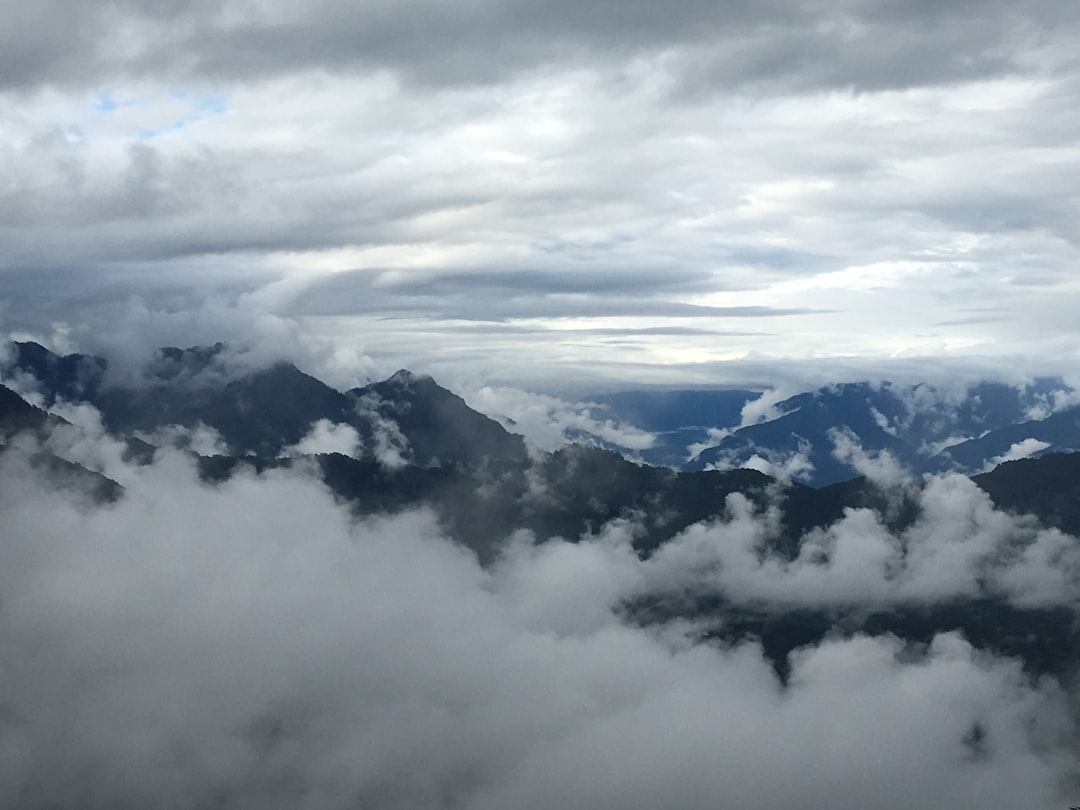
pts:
pixel 677 418
pixel 265 411
pixel 1060 432
pixel 921 428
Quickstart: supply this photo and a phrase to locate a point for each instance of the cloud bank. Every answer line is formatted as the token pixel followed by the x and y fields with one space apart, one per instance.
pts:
pixel 252 644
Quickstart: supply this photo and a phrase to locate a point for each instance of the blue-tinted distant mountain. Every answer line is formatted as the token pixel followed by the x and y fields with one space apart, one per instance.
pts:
pixel 1059 432
pixel 660 410
pixel 913 424
pixel 678 418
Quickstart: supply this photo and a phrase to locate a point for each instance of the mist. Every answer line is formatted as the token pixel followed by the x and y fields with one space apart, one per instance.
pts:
pixel 253 644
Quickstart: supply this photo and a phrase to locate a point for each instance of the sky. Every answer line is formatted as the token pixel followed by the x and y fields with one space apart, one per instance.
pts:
pixel 602 192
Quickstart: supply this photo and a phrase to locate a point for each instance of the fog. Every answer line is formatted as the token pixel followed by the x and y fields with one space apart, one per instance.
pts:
pixel 252 644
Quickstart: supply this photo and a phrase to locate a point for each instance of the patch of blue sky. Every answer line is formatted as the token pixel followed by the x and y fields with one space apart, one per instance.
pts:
pixel 215 104
pixel 104 101
pixel 157 132
pixel 181 108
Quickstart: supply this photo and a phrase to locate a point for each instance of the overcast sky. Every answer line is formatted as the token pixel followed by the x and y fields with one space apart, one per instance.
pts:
pixel 685 192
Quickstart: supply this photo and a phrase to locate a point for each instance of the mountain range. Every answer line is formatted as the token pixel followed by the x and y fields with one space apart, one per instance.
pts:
pixel 926 429
pixel 406 442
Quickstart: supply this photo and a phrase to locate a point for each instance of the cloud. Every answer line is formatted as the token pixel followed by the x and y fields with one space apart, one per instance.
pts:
pixel 865 194
pixel 428 44
pixel 201 439
pixel 766 407
pixel 82 439
pixel 1052 402
pixel 251 643
pixel 882 468
pixel 714 437
pixel 548 422
pixel 794 466
pixel 1018 450
pixel 327 437
pixel 954 546
pixel 391 446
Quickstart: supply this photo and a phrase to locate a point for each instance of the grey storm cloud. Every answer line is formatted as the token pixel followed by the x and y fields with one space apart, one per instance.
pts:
pixel 849 44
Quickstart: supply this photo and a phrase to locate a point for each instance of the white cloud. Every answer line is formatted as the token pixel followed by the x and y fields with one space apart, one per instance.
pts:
pixel 1018 450
pixel 251 644
pixel 715 436
pixel 957 547
pixel 879 467
pixel 201 439
pixel 82 439
pixel 548 422
pixel 793 466
pixel 328 437
pixel 766 407
pixel 391 446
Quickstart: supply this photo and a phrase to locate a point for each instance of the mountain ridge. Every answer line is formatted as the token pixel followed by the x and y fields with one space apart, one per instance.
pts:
pixel 491 491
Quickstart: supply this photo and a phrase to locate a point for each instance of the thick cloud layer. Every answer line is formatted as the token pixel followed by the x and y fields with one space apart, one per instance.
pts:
pixel 792 43
pixel 602 190
pixel 251 645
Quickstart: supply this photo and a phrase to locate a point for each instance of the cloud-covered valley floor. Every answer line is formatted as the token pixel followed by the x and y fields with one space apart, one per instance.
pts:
pixel 252 643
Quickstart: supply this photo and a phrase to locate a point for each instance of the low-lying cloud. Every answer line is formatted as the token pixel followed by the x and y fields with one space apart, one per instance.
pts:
pixel 328 437
pixel 548 422
pixel 958 547
pixel 251 644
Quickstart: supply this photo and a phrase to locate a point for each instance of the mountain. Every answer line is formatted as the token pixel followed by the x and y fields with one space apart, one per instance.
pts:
pixel 679 419
pixel 438 426
pixel 927 430
pixel 17 415
pixel 422 446
pixel 266 411
pixel 261 413
pixel 73 377
pixel 1047 487
pixel 1057 432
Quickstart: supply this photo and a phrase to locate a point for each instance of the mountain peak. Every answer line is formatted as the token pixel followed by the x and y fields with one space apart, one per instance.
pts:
pixel 405 377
